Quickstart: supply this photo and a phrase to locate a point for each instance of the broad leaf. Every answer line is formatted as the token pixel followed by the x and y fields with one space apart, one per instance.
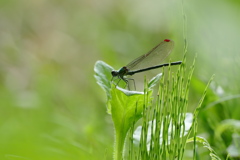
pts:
pixel 103 76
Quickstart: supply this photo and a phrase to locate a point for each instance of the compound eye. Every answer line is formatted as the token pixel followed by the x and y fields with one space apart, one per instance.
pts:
pixel 114 73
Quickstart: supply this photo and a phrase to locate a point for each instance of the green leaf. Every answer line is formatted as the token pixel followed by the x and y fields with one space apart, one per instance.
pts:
pixel 103 76
pixel 126 109
pixel 228 124
pixel 154 81
pixel 129 93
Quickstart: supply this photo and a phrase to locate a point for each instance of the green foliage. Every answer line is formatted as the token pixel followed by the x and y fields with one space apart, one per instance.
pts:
pixel 125 106
pixel 102 75
pixel 125 111
pixel 205 144
pixel 51 107
pixel 165 124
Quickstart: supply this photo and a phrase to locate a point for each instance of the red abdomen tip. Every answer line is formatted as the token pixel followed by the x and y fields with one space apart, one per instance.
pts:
pixel 167 40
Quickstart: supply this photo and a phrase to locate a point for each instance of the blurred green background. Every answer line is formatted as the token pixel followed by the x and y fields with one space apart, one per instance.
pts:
pixel 52 108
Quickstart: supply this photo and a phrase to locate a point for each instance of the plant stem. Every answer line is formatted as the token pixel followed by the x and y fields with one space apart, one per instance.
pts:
pixel 119 144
